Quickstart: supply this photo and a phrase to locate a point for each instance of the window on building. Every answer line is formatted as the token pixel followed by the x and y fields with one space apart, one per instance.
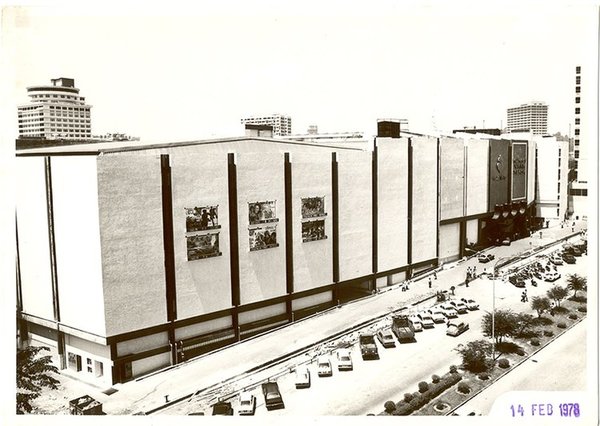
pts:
pixel 99 367
pixel 577 99
pixel 576 154
pixel 578 79
pixel 578 69
pixel 577 121
pixel 558 187
pixel 576 132
pixel 578 89
pixel 557 212
pixel 74 361
pixel 576 142
pixel 577 110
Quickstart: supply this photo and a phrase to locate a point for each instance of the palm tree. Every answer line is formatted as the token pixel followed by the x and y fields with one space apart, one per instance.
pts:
pixel 576 283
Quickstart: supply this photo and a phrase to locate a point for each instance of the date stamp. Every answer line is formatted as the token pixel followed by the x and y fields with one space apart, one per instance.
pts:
pixel 565 409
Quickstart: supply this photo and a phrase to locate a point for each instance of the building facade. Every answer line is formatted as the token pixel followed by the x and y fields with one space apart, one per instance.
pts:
pixel 552 157
pixel 531 117
pixel 158 253
pixel 56 111
pixel 281 124
pixel 578 192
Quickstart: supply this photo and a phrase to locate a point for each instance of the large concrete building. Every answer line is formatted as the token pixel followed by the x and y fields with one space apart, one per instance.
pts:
pixel 281 124
pixel 55 111
pixel 582 131
pixel 134 257
pixel 552 157
pixel 531 117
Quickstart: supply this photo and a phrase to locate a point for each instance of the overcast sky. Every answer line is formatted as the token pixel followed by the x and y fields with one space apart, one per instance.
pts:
pixel 180 73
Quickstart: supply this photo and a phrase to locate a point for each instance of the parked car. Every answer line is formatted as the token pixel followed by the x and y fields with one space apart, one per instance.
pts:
pixel 273 400
pixel 459 306
pixel 519 282
pixel 426 319
pixel 437 315
pixel 324 367
pixel 368 347
pixel 556 259
pixel 568 258
pixel 416 323
pixel 551 276
pixel 506 242
pixel 222 409
pixel 247 404
pixel 344 359
pixel 485 258
pixel 302 377
pixel 456 328
pixel 471 304
pixel 448 311
pixel 386 338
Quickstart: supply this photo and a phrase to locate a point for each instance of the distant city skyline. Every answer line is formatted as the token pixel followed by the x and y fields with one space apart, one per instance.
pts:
pixel 177 76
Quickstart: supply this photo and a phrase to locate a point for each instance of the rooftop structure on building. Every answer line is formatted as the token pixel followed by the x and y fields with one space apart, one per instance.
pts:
pixel 55 111
pixel 281 124
pixel 528 117
pixel 493 132
pixel 345 138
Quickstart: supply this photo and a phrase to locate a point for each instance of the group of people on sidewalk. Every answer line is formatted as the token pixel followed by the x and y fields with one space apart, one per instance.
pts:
pixel 471 275
pixel 524 297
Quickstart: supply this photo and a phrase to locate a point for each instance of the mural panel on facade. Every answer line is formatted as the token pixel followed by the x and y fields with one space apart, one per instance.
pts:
pixel 498 173
pixel 201 218
pixel 263 237
pixel 313 230
pixel 519 171
pixel 261 212
pixel 202 246
pixel 313 207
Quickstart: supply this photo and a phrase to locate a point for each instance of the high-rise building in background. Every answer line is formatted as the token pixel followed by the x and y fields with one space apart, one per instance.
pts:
pixel 531 117
pixel 56 111
pixel 578 189
pixel 281 124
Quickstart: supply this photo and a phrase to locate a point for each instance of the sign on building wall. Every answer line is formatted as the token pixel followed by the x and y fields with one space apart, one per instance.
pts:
pixel 519 171
pixel 498 173
pixel 313 207
pixel 201 218
pixel 263 237
pixel 261 212
pixel 202 246
pixel 313 230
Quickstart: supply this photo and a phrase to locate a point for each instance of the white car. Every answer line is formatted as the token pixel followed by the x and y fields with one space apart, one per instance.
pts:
pixel 416 323
pixel 426 319
pixel 302 377
pixel 344 359
pixel 437 315
pixel 247 404
pixel 448 311
pixel 551 276
pixel 471 304
pixel 556 259
pixel 324 367
pixel 459 306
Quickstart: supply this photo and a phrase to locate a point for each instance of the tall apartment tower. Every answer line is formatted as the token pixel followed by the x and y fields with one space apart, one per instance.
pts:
pixel 579 188
pixel 56 111
pixel 281 124
pixel 531 117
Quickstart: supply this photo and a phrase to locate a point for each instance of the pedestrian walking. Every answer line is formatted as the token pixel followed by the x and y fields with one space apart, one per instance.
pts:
pixel 429 282
pixel 434 275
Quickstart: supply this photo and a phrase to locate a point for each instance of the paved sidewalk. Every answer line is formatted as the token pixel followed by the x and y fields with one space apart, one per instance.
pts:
pixel 149 393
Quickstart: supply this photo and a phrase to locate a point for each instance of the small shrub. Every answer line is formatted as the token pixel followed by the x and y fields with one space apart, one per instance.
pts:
pixel 453 369
pixel 389 407
pixel 561 325
pixel 463 388
pixel 582 309
pixel 541 321
pixel 573 316
pixel 520 352
pixel 408 397
pixel 441 406
pixel 579 299
pixel 435 378
pixel 503 363
pixel 548 333
pixel 507 347
pixel 423 386
pixel 534 342
pixel 483 376
pixel 561 310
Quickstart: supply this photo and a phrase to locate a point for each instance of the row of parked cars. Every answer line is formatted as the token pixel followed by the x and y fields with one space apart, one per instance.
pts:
pixel 403 327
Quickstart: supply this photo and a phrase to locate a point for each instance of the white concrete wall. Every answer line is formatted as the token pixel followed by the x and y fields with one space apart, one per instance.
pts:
pixel 78 248
pixel 260 177
pixel 34 246
pixel 392 213
pixel 472 231
pixel 131 231
pixel 355 213
pixel 449 241
pixel 313 260
pixel 452 170
pixel 141 344
pixel 261 313
pixel 148 365
pixel 424 205
pixel 203 285
pixel 203 328
pixel 477 176
pixel 312 300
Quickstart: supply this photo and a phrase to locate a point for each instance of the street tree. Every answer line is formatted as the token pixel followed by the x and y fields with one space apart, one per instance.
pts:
pixel 506 324
pixel 540 304
pixel 524 324
pixel 476 355
pixel 33 374
pixel 576 283
pixel 557 294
